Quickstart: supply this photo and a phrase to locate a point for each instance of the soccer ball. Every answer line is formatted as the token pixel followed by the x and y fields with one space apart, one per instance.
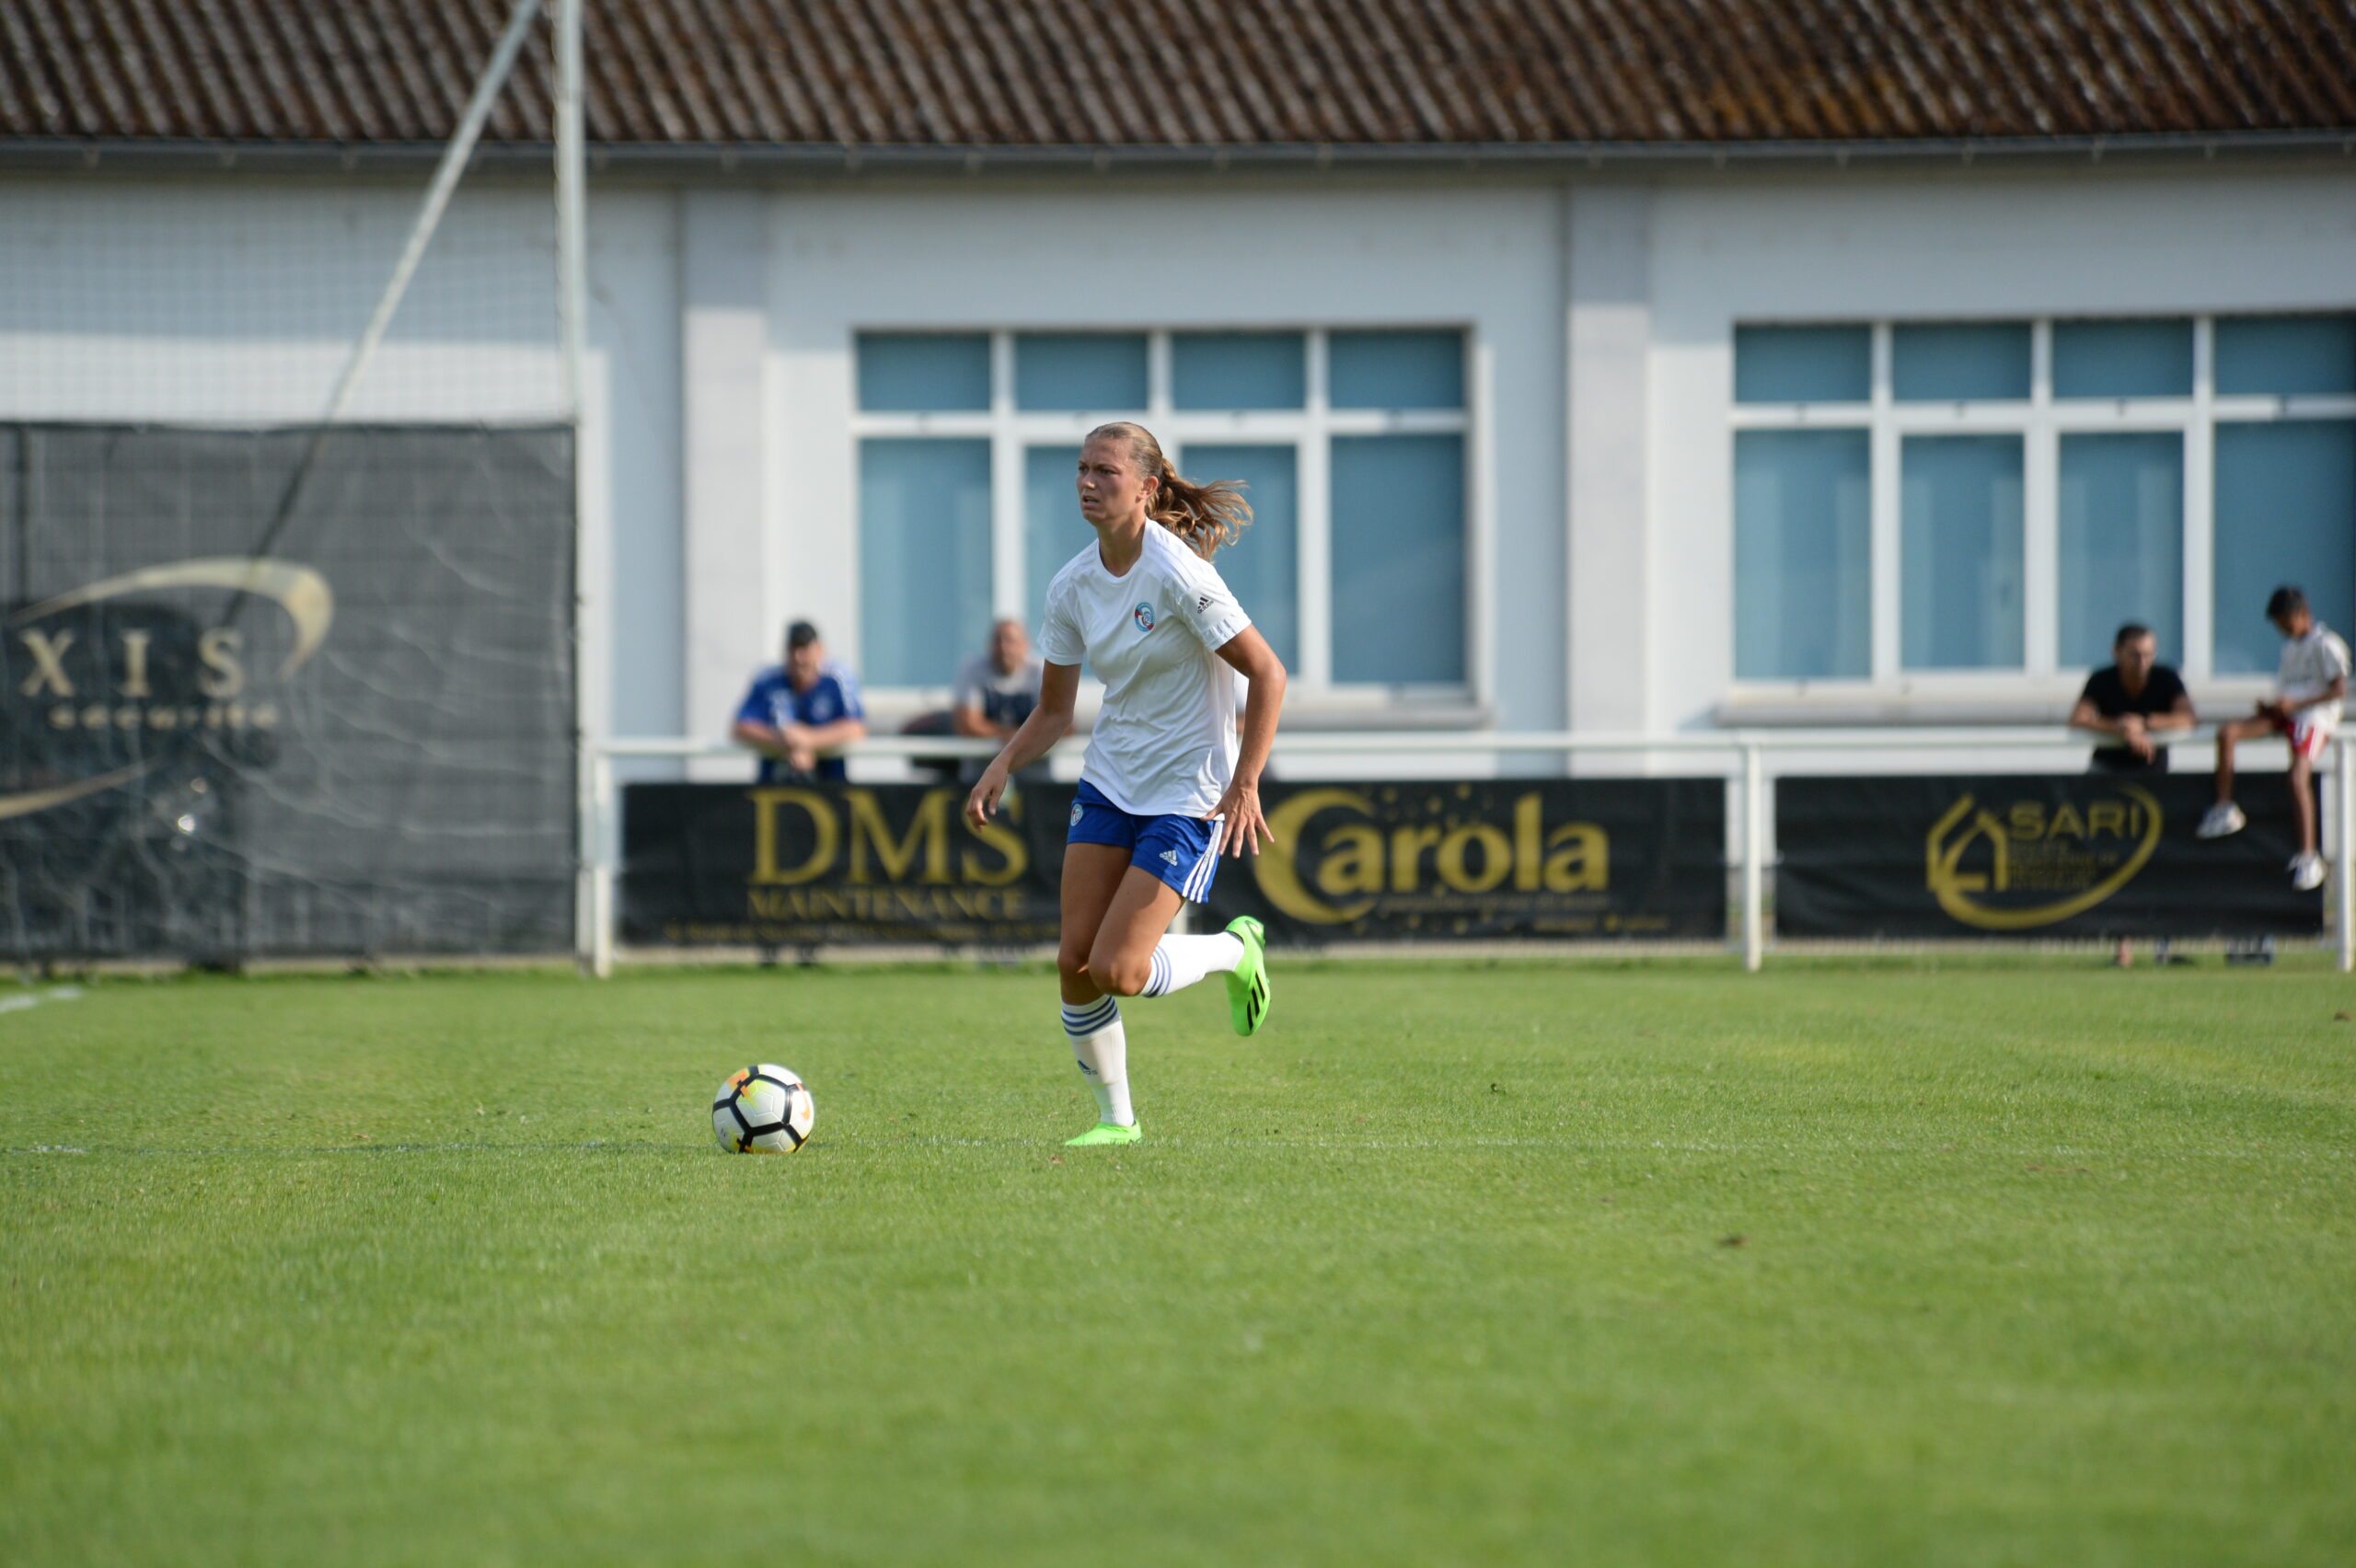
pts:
pixel 762 1109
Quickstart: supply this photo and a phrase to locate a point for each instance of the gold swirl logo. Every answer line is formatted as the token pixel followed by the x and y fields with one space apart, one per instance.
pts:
pixel 299 590
pixel 2037 864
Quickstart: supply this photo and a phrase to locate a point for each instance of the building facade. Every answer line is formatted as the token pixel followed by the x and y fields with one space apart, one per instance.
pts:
pixel 1562 436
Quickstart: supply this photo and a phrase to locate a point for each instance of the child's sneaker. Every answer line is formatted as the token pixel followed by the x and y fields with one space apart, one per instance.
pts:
pixel 2224 818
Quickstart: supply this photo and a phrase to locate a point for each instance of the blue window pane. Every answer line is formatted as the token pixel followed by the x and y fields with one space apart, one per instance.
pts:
pixel 1803 554
pixel 1053 529
pixel 1953 363
pixel 1959 552
pixel 1398 558
pixel 1239 370
pixel 923 372
pixel 1082 371
pixel 924 558
pixel 2122 524
pixel 1803 364
pixel 2286 512
pixel 1395 369
pixel 1264 567
pixel 2286 355
pixel 2122 359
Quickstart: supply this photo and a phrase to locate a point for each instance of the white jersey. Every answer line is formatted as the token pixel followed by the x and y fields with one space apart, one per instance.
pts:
pixel 1165 741
pixel 2310 664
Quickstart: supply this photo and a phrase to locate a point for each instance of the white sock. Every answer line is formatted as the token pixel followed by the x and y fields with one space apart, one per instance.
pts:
pixel 1102 1050
pixel 1179 961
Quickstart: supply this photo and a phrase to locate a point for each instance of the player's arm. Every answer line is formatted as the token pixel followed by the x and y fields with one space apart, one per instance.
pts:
pixel 752 727
pixel 970 722
pixel 830 736
pixel 760 736
pixel 1049 722
pixel 2332 693
pixel 2086 716
pixel 1242 825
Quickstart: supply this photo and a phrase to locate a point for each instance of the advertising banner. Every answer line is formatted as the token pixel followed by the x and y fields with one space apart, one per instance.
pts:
pixel 793 865
pixel 2039 856
pixel 233 727
pixel 1613 857
pixel 737 865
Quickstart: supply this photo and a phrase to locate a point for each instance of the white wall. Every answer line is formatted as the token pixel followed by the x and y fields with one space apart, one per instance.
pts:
pixel 717 455
pixel 233 300
pixel 1954 245
pixel 1096 254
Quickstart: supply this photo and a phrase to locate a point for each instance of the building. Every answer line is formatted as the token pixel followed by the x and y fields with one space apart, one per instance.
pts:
pixel 1595 363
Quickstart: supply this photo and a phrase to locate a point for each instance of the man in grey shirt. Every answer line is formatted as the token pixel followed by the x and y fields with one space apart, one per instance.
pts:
pixel 996 692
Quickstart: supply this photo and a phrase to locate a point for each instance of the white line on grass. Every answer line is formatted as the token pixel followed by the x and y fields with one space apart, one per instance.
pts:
pixel 306 1150
pixel 56 994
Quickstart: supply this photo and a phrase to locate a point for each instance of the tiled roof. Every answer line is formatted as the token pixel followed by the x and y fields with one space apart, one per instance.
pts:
pixel 1009 74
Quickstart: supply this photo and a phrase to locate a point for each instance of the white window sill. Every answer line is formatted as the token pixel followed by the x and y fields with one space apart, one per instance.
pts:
pixel 1970 700
pixel 1343 709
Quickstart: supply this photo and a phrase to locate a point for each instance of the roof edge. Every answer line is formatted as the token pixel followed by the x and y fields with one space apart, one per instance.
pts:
pixel 161 155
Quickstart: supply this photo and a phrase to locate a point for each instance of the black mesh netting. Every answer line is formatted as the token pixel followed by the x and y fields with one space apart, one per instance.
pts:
pixel 351 735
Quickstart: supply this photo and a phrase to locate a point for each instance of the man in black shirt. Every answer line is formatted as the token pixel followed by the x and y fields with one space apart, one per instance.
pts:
pixel 2134 697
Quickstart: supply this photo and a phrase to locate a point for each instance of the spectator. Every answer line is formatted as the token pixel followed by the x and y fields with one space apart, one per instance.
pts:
pixel 2134 697
pixel 2312 680
pixel 997 691
pixel 798 715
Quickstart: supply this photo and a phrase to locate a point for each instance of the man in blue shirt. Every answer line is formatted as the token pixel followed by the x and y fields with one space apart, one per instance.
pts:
pixel 798 715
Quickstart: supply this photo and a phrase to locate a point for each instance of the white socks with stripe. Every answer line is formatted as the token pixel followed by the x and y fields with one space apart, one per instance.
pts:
pixel 1179 961
pixel 1094 1029
pixel 1102 1050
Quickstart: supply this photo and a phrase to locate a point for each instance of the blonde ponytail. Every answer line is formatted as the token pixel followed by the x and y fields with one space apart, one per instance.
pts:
pixel 1205 515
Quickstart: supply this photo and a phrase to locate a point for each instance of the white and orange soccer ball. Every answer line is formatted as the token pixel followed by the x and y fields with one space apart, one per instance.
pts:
pixel 762 1109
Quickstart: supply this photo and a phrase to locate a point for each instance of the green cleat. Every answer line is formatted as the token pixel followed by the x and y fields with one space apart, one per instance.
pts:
pixel 1105 1132
pixel 1247 988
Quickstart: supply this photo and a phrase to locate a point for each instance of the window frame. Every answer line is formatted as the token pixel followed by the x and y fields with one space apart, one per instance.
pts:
pixel 1309 429
pixel 2040 421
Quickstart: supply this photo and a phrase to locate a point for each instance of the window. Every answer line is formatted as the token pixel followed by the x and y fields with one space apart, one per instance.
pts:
pixel 1960 551
pixel 1927 498
pixel 923 502
pixel 2122 539
pixel 1801 554
pixel 1350 444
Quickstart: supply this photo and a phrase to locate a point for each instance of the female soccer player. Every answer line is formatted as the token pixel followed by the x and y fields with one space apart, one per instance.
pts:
pixel 1164 792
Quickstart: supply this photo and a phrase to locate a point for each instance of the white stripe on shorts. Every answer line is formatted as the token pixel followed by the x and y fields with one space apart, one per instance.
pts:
pixel 1198 881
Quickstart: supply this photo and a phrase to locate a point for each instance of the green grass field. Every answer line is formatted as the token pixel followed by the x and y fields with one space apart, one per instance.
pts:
pixel 1989 1262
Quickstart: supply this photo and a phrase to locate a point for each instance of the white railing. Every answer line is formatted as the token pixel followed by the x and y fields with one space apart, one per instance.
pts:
pixel 1743 755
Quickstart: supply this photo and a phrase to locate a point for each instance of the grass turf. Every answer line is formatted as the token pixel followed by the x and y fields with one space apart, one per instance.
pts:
pixel 1999 1263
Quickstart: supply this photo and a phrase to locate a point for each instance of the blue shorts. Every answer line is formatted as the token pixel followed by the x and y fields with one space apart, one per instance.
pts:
pixel 1181 850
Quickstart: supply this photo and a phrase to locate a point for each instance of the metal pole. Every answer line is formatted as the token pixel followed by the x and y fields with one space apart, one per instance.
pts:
pixel 2345 871
pixel 592 771
pixel 571 204
pixel 607 823
pixel 1754 855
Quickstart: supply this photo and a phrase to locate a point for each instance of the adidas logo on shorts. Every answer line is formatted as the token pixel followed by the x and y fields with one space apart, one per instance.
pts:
pixel 1171 856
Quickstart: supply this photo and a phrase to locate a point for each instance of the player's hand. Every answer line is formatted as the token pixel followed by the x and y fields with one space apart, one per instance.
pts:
pixel 1241 825
pixel 982 804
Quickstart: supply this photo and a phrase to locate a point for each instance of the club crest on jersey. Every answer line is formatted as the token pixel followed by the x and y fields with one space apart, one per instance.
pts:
pixel 1144 614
